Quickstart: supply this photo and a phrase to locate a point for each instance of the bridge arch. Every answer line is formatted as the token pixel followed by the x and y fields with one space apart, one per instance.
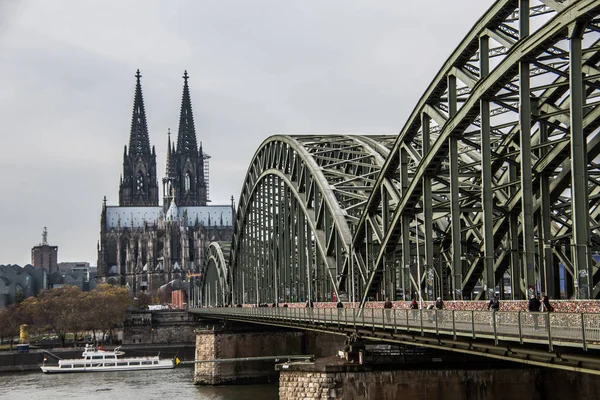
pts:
pixel 492 174
pixel 214 285
pixel 300 201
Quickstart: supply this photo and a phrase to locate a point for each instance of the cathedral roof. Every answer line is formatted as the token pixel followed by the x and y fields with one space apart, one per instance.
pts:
pixel 139 142
pixel 172 212
pixel 138 217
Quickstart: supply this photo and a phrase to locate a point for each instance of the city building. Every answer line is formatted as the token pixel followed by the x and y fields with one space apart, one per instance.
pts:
pixel 78 273
pixel 18 283
pixel 45 256
pixel 144 245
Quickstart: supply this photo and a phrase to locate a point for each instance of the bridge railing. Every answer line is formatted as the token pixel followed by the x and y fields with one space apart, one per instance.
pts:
pixel 566 329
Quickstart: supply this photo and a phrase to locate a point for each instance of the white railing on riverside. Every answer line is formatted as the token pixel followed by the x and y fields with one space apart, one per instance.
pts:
pixel 565 329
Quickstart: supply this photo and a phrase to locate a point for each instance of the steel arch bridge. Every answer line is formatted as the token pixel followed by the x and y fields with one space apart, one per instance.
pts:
pixel 490 186
pixel 300 203
pixel 214 284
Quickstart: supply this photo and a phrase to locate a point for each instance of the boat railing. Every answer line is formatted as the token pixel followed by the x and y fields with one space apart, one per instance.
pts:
pixel 51 355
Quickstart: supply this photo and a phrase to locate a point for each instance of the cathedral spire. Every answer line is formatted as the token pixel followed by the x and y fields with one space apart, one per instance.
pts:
pixel 138 186
pixel 186 137
pixel 170 178
pixel 170 170
pixel 139 142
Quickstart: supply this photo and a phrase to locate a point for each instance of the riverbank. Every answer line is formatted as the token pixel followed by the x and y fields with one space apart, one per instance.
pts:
pixel 11 361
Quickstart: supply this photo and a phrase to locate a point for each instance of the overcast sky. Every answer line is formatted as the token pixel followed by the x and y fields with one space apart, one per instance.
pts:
pixel 256 68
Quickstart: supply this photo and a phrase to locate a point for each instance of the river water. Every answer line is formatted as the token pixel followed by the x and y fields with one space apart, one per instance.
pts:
pixel 130 385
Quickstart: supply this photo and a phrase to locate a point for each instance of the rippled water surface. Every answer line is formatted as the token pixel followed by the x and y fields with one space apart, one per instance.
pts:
pixel 130 385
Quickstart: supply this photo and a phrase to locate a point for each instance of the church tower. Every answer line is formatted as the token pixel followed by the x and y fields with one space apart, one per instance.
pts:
pixel 170 174
pixel 187 176
pixel 139 186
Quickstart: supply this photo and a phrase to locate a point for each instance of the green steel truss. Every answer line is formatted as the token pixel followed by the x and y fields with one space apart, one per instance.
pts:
pixel 300 203
pixel 497 164
pixel 491 185
pixel 214 285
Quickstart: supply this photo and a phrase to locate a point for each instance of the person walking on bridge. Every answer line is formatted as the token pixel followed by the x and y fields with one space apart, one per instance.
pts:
pixel 546 307
pixel 439 306
pixel 534 308
pixel 310 305
pixel 414 306
pixel 340 308
pixel 388 309
pixel 493 306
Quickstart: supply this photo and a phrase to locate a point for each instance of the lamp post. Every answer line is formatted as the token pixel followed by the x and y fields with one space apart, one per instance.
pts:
pixel 582 282
pixel 458 279
pixel 438 279
pixel 418 262
pixel 406 279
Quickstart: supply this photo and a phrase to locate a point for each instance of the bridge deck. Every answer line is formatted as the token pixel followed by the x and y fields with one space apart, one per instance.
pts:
pixel 565 329
pixel 562 340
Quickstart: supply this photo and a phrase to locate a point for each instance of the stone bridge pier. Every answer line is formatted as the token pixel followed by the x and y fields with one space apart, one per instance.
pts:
pixel 371 370
pixel 247 341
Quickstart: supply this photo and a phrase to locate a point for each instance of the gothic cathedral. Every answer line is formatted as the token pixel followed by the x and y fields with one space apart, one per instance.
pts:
pixel 143 245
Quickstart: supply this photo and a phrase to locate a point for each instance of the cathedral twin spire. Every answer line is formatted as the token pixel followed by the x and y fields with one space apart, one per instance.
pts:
pixel 186 137
pixel 185 164
pixel 139 142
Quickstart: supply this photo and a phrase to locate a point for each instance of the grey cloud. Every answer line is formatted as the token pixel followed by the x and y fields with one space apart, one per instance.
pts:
pixel 257 68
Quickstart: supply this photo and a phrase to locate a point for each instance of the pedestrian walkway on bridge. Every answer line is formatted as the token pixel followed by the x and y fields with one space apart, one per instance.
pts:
pixel 562 340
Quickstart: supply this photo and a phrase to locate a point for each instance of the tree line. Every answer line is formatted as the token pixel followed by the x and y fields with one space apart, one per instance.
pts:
pixel 67 310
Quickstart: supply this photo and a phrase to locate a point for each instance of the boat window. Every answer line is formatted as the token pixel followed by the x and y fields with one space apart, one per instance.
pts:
pixel 155 362
pixel 146 362
pixel 122 364
pixel 97 357
pixel 109 364
pixel 111 356
pixel 134 363
pixel 78 365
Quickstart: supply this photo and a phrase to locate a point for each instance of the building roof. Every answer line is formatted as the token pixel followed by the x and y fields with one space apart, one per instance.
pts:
pixel 172 212
pixel 136 217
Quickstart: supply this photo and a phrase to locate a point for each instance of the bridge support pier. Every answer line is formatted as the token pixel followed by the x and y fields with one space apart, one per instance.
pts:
pixel 328 380
pixel 241 342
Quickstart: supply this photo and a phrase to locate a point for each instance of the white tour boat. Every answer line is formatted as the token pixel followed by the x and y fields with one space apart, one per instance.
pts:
pixel 100 360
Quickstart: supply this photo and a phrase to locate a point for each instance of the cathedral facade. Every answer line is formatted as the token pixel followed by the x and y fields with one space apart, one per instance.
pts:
pixel 144 245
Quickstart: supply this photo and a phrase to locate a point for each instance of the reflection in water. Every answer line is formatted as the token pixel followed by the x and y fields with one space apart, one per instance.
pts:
pixel 130 385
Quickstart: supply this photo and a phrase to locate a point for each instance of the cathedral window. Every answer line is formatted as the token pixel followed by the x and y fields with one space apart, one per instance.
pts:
pixel 187 182
pixel 140 182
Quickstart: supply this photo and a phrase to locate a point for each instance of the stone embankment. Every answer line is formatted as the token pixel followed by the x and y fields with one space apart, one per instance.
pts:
pixel 307 381
pixel 309 385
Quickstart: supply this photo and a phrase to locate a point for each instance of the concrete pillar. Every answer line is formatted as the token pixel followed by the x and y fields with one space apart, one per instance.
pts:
pixel 242 342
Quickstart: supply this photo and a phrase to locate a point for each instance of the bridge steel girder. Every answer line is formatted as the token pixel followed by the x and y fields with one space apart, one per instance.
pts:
pixel 300 202
pixel 214 286
pixel 483 164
